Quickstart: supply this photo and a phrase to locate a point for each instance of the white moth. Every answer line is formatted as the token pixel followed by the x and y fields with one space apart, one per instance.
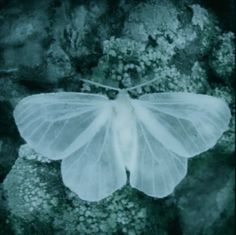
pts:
pixel 98 139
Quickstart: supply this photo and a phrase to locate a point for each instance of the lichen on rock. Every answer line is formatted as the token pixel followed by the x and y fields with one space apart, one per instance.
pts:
pixel 223 57
pixel 30 195
pixel 121 44
pixel 35 193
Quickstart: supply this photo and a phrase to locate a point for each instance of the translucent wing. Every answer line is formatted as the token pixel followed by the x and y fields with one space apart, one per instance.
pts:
pixel 155 170
pixel 96 170
pixel 185 123
pixel 58 124
pixel 170 128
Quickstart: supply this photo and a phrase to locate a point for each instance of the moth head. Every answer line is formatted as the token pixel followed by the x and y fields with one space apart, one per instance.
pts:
pixel 122 94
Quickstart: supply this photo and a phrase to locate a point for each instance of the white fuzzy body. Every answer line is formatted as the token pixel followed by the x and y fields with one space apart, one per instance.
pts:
pixel 124 125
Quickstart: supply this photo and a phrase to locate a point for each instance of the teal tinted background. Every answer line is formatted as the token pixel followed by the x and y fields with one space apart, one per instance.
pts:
pixel 47 46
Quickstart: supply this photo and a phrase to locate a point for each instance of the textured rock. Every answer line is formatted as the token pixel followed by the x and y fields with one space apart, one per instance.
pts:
pixel 36 193
pixel 175 56
pixel 36 196
pixel 48 45
pixel 208 197
pixel 8 155
pixel 223 57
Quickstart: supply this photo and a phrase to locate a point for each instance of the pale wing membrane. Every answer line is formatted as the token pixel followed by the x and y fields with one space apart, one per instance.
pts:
pixel 57 124
pixel 156 170
pixel 95 171
pixel 185 123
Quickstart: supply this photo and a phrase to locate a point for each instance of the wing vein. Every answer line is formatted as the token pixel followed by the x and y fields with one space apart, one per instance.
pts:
pixel 187 134
pixel 153 158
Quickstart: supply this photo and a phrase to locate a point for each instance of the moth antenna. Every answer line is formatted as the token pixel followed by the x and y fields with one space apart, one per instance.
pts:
pixel 142 84
pixel 100 85
pixel 7 71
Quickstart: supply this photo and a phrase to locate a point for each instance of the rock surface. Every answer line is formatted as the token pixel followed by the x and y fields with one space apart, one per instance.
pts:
pixel 47 46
